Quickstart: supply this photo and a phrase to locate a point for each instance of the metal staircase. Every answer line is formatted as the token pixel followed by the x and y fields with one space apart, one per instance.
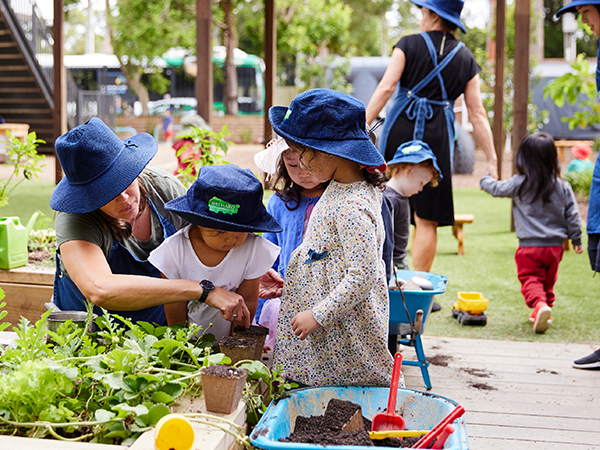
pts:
pixel 26 69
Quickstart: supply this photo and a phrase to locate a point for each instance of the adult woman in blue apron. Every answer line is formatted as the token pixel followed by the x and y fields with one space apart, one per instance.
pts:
pixel 431 70
pixel 110 217
pixel 590 15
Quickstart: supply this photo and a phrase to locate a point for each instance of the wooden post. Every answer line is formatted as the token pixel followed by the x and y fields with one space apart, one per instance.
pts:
pixel 499 86
pixel 204 75
pixel 521 99
pixel 60 81
pixel 270 63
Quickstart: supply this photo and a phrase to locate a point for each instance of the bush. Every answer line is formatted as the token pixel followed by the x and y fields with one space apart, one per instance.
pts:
pixel 580 181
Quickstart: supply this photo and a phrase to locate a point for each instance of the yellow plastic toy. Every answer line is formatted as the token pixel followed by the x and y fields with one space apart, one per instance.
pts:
pixel 470 307
pixel 174 432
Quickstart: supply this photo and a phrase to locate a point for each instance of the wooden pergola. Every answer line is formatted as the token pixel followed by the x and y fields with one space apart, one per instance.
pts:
pixel 204 81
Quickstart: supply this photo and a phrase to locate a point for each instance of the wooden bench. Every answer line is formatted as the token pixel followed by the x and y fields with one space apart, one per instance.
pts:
pixel 457 229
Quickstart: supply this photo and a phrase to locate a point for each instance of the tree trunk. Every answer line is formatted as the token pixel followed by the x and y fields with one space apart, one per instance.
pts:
pixel 230 88
pixel 133 74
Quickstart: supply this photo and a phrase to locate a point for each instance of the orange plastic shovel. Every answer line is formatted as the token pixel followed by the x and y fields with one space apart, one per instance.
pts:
pixel 389 420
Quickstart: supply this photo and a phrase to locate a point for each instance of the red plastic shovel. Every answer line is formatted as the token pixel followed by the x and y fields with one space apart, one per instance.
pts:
pixel 389 420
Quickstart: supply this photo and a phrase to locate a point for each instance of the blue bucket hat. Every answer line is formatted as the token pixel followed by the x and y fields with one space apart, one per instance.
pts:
pixel 446 9
pixel 414 152
pixel 225 198
pixel 98 166
pixel 330 122
pixel 572 7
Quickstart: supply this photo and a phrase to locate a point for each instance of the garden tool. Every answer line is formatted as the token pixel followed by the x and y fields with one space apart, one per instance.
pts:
pixel 389 420
pixel 396 433
pixel 426 440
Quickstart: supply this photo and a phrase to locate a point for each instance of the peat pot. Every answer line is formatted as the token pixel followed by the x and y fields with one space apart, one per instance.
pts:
pixel 237 348
pixel 222 387
pixel 254 332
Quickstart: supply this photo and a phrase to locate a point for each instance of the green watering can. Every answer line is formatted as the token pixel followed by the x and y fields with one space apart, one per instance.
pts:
pixel 13 241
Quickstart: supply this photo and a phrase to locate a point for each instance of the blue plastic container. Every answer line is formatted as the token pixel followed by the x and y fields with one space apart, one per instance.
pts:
pixel 415 300
pixel 421 411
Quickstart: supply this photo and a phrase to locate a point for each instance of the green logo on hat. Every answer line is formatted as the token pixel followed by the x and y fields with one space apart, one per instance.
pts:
pixel 411 149
pixel 287 113
pixel 217 205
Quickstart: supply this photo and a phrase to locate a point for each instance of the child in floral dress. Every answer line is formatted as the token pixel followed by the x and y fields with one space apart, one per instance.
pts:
pixel 333 323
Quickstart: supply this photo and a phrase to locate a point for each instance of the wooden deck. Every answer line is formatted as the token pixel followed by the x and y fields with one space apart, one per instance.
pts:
pixel 518 395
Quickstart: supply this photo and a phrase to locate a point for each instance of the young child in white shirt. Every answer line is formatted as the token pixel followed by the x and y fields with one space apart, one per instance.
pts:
pixel 225 208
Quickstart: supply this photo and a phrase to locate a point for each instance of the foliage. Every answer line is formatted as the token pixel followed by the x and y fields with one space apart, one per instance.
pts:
pixel 106 386
pixel 581 182
pixel 43 236
pixel 580 88
pixel 24 158
pixel 256 403
pixel 206 143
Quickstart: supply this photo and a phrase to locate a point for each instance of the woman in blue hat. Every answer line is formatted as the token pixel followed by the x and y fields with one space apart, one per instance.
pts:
pixel 590 15
pixel 431 70
pixel 111 215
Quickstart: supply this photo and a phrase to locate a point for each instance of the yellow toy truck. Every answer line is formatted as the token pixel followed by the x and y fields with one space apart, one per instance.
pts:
pixel 470 307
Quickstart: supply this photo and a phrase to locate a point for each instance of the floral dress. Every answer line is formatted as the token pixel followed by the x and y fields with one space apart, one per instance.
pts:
pixel 338 273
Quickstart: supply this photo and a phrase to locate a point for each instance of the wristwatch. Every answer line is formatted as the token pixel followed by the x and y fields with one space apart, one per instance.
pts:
pixel 207 287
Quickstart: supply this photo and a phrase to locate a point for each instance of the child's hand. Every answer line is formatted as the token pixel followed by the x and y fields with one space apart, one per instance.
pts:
pixel 271 285
pixel 578 249
pixel 304 324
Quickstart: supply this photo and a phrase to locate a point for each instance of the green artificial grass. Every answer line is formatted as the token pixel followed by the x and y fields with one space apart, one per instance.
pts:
pixel 488 266
pixel 28 197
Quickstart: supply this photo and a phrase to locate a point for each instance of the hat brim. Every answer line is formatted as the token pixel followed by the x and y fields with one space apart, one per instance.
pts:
pixel 264 224
pixel 361 151
pixel 572 7
pixel 88 197
pixel 439 12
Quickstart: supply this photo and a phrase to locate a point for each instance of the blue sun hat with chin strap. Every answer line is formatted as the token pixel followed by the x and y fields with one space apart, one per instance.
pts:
pixel 572 7
pixel 225 198
pixel 446 9
pixel 98 166
pixel 330 122
pixel 415 152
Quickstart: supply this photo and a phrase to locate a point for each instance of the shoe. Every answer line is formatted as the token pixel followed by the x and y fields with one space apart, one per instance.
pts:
pixel 541 316
pixel 435 307
pixel 588 362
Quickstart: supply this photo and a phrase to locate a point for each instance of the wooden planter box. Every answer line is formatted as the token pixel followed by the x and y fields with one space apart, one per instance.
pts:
pixel 26 290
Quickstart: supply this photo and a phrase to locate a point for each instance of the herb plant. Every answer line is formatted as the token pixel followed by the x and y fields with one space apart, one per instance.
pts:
pixel 107 386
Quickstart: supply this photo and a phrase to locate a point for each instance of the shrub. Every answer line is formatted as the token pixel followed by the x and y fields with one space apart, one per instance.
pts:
pixel 580 181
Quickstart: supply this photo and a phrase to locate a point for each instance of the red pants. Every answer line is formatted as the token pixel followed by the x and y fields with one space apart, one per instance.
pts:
pixel 537 269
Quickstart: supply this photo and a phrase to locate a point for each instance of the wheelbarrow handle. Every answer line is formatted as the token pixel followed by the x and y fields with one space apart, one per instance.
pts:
pixel 391 409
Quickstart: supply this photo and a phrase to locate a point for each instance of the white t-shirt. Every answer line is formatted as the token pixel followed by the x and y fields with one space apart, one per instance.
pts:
pixel 176 259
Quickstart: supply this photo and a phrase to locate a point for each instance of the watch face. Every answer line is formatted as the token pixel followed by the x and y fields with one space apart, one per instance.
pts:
pixel 208 285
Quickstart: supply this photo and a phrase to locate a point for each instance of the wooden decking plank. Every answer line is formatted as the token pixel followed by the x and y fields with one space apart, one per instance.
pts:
pixel 535 421
pixel 534 434
pixel 514 444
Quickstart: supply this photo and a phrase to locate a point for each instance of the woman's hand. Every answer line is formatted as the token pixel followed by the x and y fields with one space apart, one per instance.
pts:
pixel 304 324
pixel 271 285
pixel 232 305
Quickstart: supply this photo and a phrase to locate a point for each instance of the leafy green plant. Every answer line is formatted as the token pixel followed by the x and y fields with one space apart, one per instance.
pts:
pixel 106 386
pixel 23 156
pixel 246 136
pixel 43 236
pixel 581 182
pixel 257 403
pixel 206 144
pixel 570 87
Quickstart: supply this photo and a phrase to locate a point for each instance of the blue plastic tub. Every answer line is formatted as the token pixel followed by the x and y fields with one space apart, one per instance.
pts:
pixel 415 300
pixel 421 411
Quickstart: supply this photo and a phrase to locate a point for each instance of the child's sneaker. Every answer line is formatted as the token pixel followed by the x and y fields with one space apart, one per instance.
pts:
pixel 588 362
pixel 540 317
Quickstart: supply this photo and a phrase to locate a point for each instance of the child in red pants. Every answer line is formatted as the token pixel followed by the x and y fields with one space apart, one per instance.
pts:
pixel 546 214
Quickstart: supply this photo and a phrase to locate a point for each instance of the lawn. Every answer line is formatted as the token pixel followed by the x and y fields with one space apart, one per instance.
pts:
pixel 488 266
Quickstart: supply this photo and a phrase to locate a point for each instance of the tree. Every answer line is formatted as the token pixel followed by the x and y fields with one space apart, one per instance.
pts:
pixel 142 31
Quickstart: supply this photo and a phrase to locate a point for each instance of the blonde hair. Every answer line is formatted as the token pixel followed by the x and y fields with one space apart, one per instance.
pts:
pixel 394 169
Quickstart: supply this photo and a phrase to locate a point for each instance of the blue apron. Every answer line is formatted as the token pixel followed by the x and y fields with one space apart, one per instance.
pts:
pixel 418 109
pixel 593 214
pixel 122 262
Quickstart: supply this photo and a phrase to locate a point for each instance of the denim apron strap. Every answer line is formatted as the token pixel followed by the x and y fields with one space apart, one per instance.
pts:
pixel 419 108
pixel 598 70
pixel 121 261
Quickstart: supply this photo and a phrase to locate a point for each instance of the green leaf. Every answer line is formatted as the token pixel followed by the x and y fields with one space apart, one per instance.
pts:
pixel 161 397
pixel 103 415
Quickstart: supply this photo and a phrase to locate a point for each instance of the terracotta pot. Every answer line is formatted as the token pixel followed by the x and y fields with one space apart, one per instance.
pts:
pixel 222 387
pixel 254 332
pixel 237 348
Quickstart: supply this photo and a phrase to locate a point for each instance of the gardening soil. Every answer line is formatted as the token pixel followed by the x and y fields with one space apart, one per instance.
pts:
pixel 220 370
pixel 342 424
